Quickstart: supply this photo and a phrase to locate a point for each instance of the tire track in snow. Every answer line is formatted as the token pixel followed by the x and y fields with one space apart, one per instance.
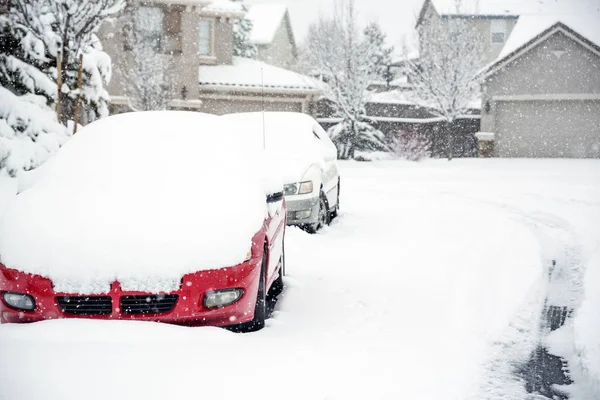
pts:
pixel 522 367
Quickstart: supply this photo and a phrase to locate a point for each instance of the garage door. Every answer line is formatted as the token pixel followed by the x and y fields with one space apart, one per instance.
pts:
pixel 565 128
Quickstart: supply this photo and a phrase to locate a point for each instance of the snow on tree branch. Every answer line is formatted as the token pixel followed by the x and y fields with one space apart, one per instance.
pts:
pixel 444 78
pixel 343 59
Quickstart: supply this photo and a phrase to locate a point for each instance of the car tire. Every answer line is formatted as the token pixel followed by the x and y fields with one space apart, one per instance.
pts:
pixel 278 285
pixel 260 309
pixel 324 218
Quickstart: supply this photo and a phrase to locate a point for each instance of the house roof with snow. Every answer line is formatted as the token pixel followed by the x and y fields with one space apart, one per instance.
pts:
pixel 247 74
pixel 506 8
pixel 266 21
pixel 531 30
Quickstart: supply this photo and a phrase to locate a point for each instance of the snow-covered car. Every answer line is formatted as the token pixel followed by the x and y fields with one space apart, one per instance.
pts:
pixel 148 216
pixel 306 158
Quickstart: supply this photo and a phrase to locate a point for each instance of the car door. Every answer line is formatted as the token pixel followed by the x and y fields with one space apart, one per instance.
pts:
pixel 275 233
pixel 331 171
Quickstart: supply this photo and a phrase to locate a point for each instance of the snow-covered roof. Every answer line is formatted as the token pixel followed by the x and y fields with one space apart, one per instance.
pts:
pixel 247 73
pixel 266 19
pixel 530 26
pixel 511 8
pixel 224 6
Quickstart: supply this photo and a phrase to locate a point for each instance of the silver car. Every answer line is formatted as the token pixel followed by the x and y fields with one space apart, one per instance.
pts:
pixel 307 159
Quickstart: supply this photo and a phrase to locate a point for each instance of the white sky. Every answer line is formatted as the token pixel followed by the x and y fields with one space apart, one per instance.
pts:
pixel 396 17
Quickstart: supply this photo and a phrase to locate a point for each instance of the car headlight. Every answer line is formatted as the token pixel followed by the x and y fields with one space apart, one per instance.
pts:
pixel 19 301
pixel 222 298
pixel 298 188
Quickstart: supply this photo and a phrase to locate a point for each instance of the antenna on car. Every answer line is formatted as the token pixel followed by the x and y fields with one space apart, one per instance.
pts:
pixel 262 85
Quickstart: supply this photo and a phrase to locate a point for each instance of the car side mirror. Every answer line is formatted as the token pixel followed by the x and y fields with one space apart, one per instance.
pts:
pixel 275 197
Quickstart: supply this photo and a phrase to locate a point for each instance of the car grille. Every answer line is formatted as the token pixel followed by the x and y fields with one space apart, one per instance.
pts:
pixel 85 305
pixel 148 304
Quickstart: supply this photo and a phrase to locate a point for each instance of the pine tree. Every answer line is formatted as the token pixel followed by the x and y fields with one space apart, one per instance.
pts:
pixel 32 33
pixel 241 36
pixel 46 28
pixel 381 57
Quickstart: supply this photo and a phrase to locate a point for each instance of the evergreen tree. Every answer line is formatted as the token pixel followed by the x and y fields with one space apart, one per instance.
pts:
pixel 241 36
pixel 381 57
pixel 46 28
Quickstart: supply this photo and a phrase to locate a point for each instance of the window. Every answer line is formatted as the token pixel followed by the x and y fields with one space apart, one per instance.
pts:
pixel 498 30
pixel 150 21
pixel 205 42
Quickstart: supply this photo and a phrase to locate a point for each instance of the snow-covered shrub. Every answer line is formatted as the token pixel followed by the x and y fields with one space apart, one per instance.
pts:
pixel 350 136
pixel 411 146
pixel 29 132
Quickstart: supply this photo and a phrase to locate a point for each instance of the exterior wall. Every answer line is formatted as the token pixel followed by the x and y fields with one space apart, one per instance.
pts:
pixel 542 105
pixel 223 41
pixel 482 26
pixel 228 106
pixel 484 29
pixel 184 65
pixel 281 52
pixel 540 72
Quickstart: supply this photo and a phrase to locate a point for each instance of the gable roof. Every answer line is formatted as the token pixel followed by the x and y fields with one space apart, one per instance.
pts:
pixel 530 31
pixel 245 73
pixel 507 8
pixel 266 20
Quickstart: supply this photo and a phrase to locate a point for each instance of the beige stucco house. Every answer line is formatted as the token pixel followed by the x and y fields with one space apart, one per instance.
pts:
pixel 541 96
pixel 541 71
pixel 196 38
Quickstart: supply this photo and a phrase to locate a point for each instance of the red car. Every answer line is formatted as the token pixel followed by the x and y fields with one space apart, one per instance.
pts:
pixel 82 242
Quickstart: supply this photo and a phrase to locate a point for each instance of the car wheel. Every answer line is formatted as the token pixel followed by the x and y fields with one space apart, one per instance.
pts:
pixel 323 218
pixel 278 286
pixel 260 309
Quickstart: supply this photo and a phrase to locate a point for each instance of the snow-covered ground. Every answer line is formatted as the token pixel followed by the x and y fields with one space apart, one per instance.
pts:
pixel 429 285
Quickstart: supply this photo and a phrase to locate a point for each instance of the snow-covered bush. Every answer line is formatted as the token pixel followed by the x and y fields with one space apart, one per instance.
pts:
pixel 352 135
pixel 29 132
pixel 411 146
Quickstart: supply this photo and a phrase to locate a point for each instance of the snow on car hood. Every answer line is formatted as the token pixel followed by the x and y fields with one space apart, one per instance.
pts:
pixel 141 198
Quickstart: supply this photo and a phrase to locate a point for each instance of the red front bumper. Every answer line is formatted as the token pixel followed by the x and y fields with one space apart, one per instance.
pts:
pixel 188 309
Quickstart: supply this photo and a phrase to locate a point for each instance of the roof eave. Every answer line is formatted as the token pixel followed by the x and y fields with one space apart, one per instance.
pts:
pixel 258 90
pixel 496 66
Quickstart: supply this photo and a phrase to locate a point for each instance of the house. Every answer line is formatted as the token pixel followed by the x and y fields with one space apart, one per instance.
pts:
pixel 494 20
pixel 272 34
pixel 541 95
pixel 541 70
pixel 196 38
